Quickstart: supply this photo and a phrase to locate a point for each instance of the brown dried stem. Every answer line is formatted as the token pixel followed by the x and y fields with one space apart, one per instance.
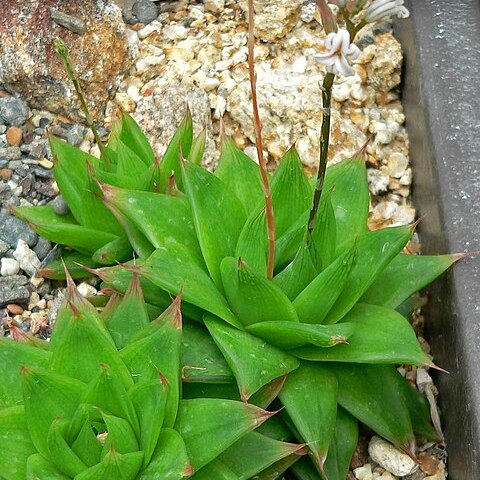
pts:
pixel 259 143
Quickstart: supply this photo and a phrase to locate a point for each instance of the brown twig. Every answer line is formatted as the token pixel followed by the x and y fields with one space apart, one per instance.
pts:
pixel 259 143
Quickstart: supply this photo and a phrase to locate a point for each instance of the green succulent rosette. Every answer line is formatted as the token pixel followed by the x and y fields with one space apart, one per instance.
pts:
pixel 325 334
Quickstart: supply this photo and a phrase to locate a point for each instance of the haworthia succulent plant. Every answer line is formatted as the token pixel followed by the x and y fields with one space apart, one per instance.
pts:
pixel 324 327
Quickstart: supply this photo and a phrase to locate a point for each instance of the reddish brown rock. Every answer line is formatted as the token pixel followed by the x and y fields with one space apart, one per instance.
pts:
pixel 14 136
pixel 30 67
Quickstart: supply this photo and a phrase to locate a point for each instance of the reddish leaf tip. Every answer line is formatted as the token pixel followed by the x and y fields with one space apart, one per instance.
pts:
pixel 259 415
pixel 163 380
pixel 430 364
pixel 188 471
pixel 176 306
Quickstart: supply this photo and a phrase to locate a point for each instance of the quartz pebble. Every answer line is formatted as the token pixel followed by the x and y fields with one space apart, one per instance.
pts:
pixel 390 458
pixel 9 266
pixel 27 258
pixel 364 473
pixel 86 290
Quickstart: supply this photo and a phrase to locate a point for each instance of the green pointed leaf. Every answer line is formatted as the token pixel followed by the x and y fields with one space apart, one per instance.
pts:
pixel 310 399
pixel 287 245
pixel 253 362
pixel 107 392
pixel 73 170
pixel 183 138
pixel 254 298
pixel 120 435
pixel 13 355
pixel 173 269
pixel 215 469
pixel 15 443
pixel 140 244
pixel 253 243
pixel 342 446
pixel 375 251
pixel 155 350
pixel 209 426
pixel 149 399
pixel 241 174
pixel 131 134
pixel 381 335
pixel 255 452
pixel 202 361
pixel 170 461
pixel 298 274
pixel 291 192
pixel 316 300
pixel 61 455
pixel 406 275
pixel 115 466
pixel 287 335
pixel 374 394
pixel 162 219
pixel 63 229
pixel 350 197
pixel 198 148
pixel 324 234
pixel 218 216
pixel 73 261
pixel 130 316
pixel 39 467
pixel 87 446
pixel 119 250
pixel 80 333
pixel 119 278
pixel 58 395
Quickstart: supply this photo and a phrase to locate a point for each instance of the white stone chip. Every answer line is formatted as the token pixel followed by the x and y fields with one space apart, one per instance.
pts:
pixel 390 458
pixel 9 267
pixel 364 473
pixel 86 290
pixel 27 258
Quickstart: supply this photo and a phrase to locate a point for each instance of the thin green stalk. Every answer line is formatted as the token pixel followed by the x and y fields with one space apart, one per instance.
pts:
pixel 324 144
pixel 62 51
pixel 259 144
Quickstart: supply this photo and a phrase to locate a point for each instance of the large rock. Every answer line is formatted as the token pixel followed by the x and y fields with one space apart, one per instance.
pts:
pixel 30 67
pixel 275 18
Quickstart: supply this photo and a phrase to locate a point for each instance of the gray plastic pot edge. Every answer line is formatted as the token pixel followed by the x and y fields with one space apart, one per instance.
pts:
pixel 441 94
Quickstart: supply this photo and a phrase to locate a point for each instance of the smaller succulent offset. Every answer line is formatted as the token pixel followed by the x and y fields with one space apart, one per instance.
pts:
pixel 102 401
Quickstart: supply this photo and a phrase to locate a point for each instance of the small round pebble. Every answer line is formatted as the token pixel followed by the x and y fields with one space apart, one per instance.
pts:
pixel 145 10
pixel 14 111
pixel 14 309
pixel 9 267
pixel 59 205
pixel 14 136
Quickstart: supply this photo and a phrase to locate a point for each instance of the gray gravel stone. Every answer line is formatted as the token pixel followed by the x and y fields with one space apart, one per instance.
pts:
pixel 59 205
pixel 4 248
pixel 14 111
pixel 13 290
pixel 145 11
pixel 10 153
pixel 74 24
pixel 13 229
pixel 42 248
pixel 75 135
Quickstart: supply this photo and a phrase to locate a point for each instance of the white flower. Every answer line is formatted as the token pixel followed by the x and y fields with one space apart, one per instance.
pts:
pixel 340 53
pixel 380 10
